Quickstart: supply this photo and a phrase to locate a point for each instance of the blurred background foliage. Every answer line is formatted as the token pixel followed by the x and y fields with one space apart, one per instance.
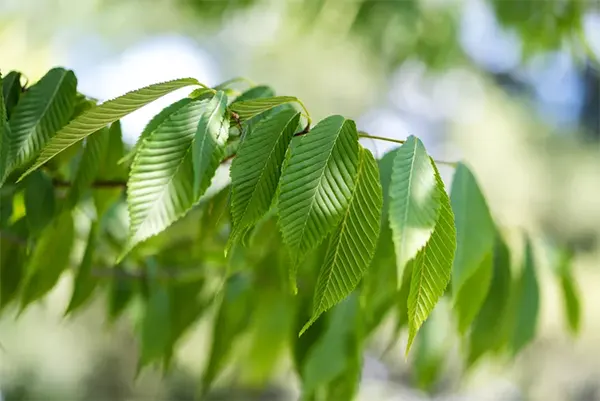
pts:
pixel 510 86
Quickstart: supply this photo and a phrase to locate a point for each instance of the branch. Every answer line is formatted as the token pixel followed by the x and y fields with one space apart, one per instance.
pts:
pixel 362 134
pixel 96 184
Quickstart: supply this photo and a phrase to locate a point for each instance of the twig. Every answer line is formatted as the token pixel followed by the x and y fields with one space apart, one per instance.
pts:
pixel 96 184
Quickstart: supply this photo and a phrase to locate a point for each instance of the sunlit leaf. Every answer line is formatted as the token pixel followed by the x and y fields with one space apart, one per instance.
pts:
pixel 414 201
pixel 154 123
pixel 209 142
pixel 353 243
pixel 527 303
pixel 432 266
pixel 44 109
pixel 160 188
pixel 256 169
pixel 317 184
pixel 104 114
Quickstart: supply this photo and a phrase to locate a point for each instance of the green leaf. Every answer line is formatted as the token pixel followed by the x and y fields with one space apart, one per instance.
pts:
pixel 249 108
pixel 432 266
pixel 12 261
pixel 475 231
pixel 488 328
pixel 44 109
pixel 271 325
pixel 431 352
pixel 106 113
pixel 209 142
pixel 4 134
pixel 257 92
pixel 317 184
pixel 160 187
pixel 154 123
pixel 232 319
pixel 122 290
pixel 572 304
pixel 414 201
pixel 110 169
pixel 353 244
pixel 156 327
pixel 473 293
pixel 94 154
pixel 330 356
pixel 186 308
pixel 11 91
pixel 84 283
pixel 50 258
pixel 256 169
pixel 39 201
pixel 527 303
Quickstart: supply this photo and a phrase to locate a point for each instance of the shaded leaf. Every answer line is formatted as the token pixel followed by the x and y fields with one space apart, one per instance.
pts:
pixel 11 91
pixel 94 154
pixel 121 292
pixel 488 329
pixel 256 169
pixel 256 92
pixel 110 169
pixel 156 327
pixel 12 261
pixel 572 304
pixel 44 109
pixel 527 303
pixel 39 201
pixel 317 184
pixel 247 109
pixel 430 353
pixel 475 230
pixel 331 355
pixel 414 201
pixel 473 293
pixel 106 113
pixel 4 133
pixel 84 283
pixel 232 319
pixel 353 244
pixel 209 142
pixel 432 266
pixel 49 259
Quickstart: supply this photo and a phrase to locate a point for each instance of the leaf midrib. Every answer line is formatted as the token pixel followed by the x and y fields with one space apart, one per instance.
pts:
pixel 312 201
pixel 243 214
pixel 408 193
pixel 343 226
